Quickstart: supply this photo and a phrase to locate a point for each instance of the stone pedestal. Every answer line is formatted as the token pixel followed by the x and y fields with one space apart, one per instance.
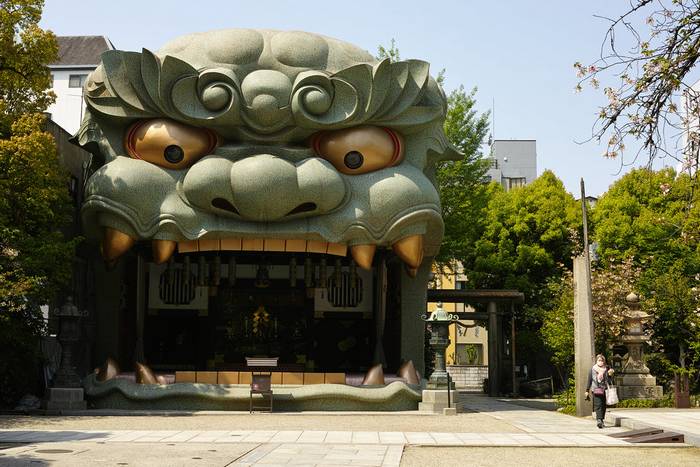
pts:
pixel 65 399
pixel 638 387
pixel 634 381
pixel 436 400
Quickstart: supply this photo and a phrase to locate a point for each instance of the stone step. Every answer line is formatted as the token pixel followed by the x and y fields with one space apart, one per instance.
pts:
pixel 635 433
pixel 664 437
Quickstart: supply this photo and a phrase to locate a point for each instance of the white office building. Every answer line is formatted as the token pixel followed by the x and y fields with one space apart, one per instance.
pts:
pixel 78 56
pixel 513 162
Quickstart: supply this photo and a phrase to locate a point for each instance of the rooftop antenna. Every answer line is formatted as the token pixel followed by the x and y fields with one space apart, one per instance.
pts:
pixel 493 117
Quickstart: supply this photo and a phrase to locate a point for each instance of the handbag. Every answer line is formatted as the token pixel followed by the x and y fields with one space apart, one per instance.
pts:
pixel 611 395
pixel 598 391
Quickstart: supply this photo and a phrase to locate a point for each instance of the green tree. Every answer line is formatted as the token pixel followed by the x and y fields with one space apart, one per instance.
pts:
pixel 463 193
pixel 25 49
pixel 675 304
pixel 654 217
pixel 525 245
pixel 610 286
pixel 557 329
pixel 644 215
pixel 526 240
pixel 35 258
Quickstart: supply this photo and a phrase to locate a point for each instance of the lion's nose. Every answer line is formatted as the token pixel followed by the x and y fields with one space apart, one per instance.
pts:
pixel 268 188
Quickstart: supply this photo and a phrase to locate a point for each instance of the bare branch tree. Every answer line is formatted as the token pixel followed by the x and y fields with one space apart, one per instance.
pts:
pixel 652 101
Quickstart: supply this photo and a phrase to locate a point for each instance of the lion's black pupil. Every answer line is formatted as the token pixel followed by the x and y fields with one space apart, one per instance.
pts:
pixel 174 154
pixel 354 160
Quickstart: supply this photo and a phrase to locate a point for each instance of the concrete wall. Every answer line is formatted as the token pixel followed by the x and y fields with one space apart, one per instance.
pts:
pixel 469 377
pixel 476 335
pixel 514 159
pixel 465 336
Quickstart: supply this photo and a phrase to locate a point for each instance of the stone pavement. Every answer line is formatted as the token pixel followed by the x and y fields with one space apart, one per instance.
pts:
pixel 312 437
pixel 686 421
pixel 300 439
pixel 528 419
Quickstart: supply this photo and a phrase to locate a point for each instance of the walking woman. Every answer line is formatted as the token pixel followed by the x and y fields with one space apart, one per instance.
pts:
pixel 599 378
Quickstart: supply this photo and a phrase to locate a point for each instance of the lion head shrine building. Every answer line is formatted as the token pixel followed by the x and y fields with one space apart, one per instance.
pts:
pixel 263 203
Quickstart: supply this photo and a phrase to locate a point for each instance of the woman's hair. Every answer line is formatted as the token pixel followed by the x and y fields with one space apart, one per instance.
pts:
pixel 600 355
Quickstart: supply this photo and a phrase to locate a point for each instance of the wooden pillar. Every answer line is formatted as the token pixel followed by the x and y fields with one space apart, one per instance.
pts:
pixel 140 308
pixel 494 357
pixel 380 310
pixel 512 348
pixel 413 305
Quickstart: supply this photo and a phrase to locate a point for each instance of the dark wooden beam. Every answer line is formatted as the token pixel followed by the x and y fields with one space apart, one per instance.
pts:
pixel 471 315
pixel 475 295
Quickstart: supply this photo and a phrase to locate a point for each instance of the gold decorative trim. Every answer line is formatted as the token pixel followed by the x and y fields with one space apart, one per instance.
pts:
pixel 263 244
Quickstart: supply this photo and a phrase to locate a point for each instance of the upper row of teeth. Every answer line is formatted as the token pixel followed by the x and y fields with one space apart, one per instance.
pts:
pixel 409 249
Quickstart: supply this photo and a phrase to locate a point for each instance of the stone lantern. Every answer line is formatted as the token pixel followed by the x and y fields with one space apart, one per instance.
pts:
pixel 67 392
pixel 438 324
pixel 437 396
pixel 635 380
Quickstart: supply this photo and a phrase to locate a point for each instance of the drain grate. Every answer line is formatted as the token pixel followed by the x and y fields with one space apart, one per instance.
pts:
pixel 54 451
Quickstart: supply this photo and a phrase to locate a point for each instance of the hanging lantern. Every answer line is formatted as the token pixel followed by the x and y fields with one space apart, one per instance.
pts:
pixel 186 270
pixel 216 276
pixel 202 271
pixel 232 270
pixel 170 271
pixel 337 272
pixel 322 274
pixel 352 276
pixel 293 272
pixel 308 273
pixel 262 277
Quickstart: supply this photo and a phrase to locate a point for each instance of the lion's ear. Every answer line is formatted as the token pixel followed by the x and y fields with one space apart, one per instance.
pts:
pixel 441 149
pixel 451 153
pixel 89 137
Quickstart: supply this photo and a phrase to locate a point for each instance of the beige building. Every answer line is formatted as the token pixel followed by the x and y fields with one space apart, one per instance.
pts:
pixel 467 356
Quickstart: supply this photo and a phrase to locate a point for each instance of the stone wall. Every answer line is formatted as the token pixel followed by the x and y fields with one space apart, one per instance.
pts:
pixel 469 377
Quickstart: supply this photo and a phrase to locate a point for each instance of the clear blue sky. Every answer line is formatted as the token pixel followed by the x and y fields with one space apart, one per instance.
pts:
pixel 518 53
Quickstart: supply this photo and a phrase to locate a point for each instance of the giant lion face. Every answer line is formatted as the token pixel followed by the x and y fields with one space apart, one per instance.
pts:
pixel 267 140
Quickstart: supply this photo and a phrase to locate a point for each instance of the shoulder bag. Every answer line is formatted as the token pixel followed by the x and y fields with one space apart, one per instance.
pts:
pixel 611 395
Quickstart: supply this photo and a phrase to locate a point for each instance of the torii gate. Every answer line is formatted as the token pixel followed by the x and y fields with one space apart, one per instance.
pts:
pixel 494 317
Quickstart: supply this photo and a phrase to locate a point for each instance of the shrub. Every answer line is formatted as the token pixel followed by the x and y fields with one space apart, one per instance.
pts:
pixel 645 403
pixel 566 400
pixel 20 356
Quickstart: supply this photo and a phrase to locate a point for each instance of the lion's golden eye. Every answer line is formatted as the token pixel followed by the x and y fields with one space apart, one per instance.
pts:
pixel 360 149
pixel 169 144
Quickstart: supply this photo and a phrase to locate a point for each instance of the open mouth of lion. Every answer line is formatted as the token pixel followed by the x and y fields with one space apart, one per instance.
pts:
pixel 409 249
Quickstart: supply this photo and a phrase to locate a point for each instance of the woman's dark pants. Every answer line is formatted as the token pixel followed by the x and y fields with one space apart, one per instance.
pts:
pixel 599 407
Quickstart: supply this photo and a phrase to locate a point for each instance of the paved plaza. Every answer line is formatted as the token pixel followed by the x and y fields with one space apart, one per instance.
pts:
pixel 507 433
pixel 685 421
